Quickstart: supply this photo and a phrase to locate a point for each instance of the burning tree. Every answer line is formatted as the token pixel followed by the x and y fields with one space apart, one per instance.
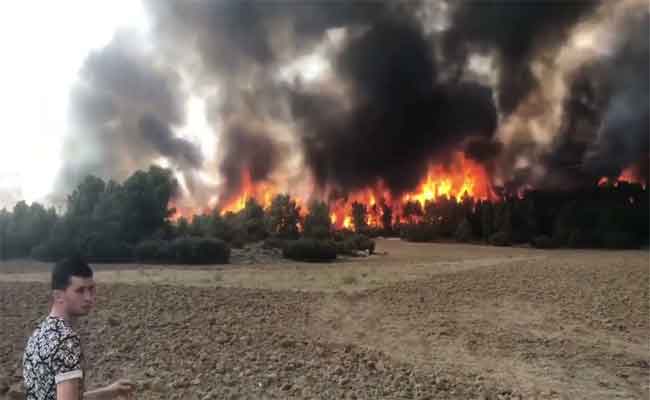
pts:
pixel 386 218
pixel 284 217
pixel 317 222
pixel 360 217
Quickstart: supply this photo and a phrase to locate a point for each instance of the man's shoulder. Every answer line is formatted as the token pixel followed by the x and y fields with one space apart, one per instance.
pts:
pixel 60 326
pixel 50 333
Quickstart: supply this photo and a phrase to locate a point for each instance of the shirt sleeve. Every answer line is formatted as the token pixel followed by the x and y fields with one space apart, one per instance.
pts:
pixel 66 360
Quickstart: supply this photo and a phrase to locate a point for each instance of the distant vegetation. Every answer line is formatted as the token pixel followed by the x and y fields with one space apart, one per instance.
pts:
pixel 109 221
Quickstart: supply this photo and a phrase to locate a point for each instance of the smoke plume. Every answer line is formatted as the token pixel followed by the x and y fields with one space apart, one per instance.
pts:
pixel 352 93
pixel 122 111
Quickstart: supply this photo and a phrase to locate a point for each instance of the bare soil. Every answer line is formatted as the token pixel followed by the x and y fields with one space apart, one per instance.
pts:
pixel 437 321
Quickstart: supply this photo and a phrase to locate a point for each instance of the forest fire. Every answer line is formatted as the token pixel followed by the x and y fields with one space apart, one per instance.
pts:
pixel 262 192
pixel 463 178
pixel 628 175
pixel 456 180
pixel 459 179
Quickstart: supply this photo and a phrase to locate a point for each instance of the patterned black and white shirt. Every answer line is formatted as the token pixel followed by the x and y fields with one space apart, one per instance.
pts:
pixel 53 355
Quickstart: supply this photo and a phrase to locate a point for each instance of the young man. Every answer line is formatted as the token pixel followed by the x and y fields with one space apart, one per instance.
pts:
pixel 53 363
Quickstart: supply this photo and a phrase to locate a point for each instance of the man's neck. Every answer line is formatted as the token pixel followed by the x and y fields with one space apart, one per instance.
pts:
pixel 59 313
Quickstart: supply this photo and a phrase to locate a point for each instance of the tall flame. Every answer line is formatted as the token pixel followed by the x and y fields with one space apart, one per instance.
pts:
pixel 455 181
pixel 461 178
pixel 261 192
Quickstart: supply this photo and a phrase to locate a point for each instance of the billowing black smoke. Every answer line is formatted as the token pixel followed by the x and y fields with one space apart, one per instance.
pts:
pixel 248 148
pixel 121 113
pixel 607 114
pixel 162 139
pixel 242 44
pixel 398 93
pixel 518 31
pixel 401 116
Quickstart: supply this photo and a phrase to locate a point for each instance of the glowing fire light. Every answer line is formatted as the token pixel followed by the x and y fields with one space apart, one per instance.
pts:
pixel 347 222
pixel 463 178
pixel 628 175
pixel 261 192
pixel 459 179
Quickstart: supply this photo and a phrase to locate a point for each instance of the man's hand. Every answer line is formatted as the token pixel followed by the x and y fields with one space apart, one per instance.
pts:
pixel 122 387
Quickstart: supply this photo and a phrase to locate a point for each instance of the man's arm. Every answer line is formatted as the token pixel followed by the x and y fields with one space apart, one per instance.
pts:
pixel 70 390
pixel 99 394
pixel 122 387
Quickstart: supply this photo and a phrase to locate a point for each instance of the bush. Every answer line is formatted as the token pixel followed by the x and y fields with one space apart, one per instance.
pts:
pixel 239 239
pixel 354 243
pixel 200 251
pixel 98 247
pixel 582 239
pixel 619 240
pixel 418 232
pixel 521 236
pixel 310 250
pixel 153 251
pixel 318 224
pixel 339 235
pixel 499 239
pixel 52 250
pixel 319 232
pixel 375 231
pixel 95 248
pixel 463 232
pixel 544 242
pixel 212 251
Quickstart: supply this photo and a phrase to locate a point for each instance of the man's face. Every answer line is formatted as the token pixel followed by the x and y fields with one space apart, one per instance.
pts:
pixel 78 298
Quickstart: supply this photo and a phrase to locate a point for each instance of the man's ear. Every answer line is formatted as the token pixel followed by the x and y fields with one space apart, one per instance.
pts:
pixel 57 295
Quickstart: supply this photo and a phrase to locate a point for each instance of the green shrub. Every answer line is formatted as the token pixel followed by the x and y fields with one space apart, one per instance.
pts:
pixel 354 243
pixel 375 231
pixel 212 251
pixel 544 242
pixel 95 248
pixel 499 239
pixel 420 232
pixel 319 232
pixel 619 240
pixel 200 251
pixel 102 248
pixel 582 239
pixel 464 231
pixel 318 224
pixel 153 251
pixel 52 250
pixel 239 239
pixel 310 250
pixel 339 235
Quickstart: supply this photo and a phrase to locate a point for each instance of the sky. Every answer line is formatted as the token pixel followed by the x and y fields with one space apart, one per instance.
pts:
pixel 35 99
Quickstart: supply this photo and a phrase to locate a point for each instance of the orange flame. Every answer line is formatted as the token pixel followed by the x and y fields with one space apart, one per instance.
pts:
pixel 461 178
pixel 262 192
pixel 628 175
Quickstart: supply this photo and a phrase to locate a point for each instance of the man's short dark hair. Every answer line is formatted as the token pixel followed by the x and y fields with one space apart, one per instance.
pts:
pixel 66 268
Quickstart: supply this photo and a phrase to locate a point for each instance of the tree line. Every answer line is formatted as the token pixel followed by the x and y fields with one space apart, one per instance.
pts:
pixel 111 221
